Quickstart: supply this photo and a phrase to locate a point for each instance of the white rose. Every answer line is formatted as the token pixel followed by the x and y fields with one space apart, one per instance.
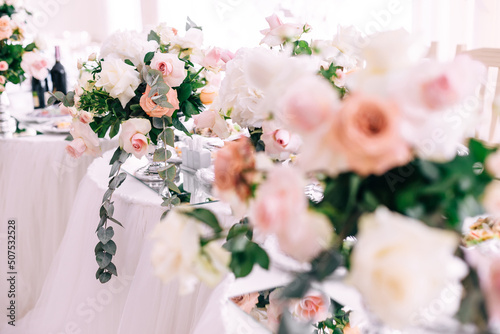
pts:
pixel 119 79
pixel 127 45
pixel 400 265
pixel 177 253
pixel 192 39
pixel 166 33
pixel 41 42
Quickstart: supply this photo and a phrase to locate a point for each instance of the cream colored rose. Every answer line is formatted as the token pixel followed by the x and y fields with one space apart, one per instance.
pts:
pixel 133 136
pixel 212 119
pixel 177 253
pixel 400 265
pixel 119 79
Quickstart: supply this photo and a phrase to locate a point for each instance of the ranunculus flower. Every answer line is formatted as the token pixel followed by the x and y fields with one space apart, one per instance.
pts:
pixel 85 117
pixel 400 265
pixel 133 136
pixel 211 118
pixel 246 302
pixel 5 28
pixel 368 134
pixel 119 79
pixel 216 59
pixel 4 66
pixel 155 110
pixel 177 253
pixel 208 94
pixel 171 67
pixel 279 142
pixel 35 65
pixel 234 167
pixel 491 198
pixel 280 32
pixel 313 307
pixel 85 140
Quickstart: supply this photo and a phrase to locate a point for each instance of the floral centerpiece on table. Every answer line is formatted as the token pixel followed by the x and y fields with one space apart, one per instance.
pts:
pixel 12 47
pixel 140 88
pixel 385 152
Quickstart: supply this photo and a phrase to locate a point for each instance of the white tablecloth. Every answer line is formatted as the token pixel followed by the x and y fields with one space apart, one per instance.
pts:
pixel 38 183
pixel 73 301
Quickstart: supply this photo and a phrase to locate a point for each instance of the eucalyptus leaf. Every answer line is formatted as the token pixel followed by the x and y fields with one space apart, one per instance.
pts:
pixel 109 247
pixel 153 36
pixel 103 259
pixel 111 268
pixel 157 122
pixel 116 155
pixel 104 277
pixel 105 235
pixel 159 155
pixel 179 126
pixel 98 273
pixel 171 172
pixel 168 137
pixel 115 221
pixel 298 287
pixel 114 169
pixel 205 216
pixel 173 187
pixel 98 248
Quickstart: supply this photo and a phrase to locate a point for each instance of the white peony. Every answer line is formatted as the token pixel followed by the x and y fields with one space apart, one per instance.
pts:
pixel 192 39
pixel 127 45
pixel 119 79
pixel 401 266
pixel 177 253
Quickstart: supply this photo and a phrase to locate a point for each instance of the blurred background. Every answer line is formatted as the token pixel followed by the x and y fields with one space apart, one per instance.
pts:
pixel 79 26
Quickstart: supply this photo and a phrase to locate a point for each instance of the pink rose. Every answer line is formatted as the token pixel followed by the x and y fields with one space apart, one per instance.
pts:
pixel 367 133
pixel 309 105
pixel 246 302
pixel 83 135
pixel 76 148
pixel 279 142
pixel 132 137
pixel 491 198
pixel 340 79
pixel 279 200
pixel 85 117
pixel 154 110
pixel 493 164
pixel 2 80
pixel 306 237
pixel 35 65
pixel 280 32
pixel 4 66
pixel 5 27
pixel 171 67
pixel 2 89
pixel 213 120
pixel 216 59
pixel 314 307
pixel 68 110
pixel 208 94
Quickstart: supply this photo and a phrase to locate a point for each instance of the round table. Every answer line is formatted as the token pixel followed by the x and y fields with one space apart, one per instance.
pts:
pixel 73 301
pixel 38 184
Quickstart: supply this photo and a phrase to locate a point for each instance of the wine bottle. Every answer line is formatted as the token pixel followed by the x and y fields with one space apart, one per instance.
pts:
pixel 58 74
pixel 39 89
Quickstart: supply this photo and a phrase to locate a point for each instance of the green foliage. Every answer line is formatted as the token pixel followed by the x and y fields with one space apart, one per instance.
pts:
pixel 244 252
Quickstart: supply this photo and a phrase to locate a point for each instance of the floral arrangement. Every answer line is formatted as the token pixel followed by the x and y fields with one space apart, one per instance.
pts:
pixel 382 141
pixel 140 89
pixel 12 49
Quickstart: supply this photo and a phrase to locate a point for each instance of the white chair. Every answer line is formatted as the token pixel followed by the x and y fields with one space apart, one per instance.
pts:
pixel 490 91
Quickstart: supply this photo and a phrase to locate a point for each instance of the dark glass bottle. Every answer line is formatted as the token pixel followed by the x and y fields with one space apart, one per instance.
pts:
pixel 39 89
pixel 58 74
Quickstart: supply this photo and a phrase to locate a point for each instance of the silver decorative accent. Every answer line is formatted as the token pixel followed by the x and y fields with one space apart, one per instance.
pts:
pixel 7 123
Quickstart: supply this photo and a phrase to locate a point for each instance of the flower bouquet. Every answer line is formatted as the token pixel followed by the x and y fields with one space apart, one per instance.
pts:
pixel 141 89
pixel 384 148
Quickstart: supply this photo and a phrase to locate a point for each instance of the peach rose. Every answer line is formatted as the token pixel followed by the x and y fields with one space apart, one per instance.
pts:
pixel 83 135
pixel 85 117
pixel 246 302
pixel 208 95
pixel 171 67
pixel 351 330
pixel 132 137
pixel 279 142
pixel 491 198
pixel 234 168
pixel 4 66
pixel 313 307
pixel 367 133
pixel 5 28
pixel 309 105
pixel 154 110
pixel 2 80
pixel 76 148
pixel 493 164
